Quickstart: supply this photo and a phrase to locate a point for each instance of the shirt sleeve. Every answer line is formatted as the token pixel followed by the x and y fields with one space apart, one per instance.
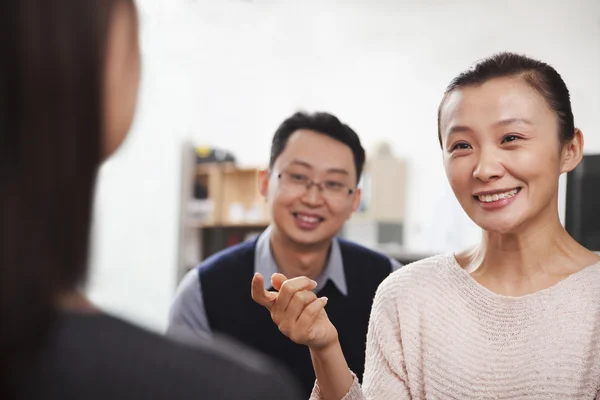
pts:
pixel 187 317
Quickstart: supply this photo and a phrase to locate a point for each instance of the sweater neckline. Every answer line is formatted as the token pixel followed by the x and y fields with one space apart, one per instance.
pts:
pixel 468 280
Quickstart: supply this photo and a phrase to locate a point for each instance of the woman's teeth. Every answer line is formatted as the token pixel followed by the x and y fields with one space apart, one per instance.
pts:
pixel 488 198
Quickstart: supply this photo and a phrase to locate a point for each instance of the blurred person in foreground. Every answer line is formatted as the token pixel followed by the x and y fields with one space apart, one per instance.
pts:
pixel 69 74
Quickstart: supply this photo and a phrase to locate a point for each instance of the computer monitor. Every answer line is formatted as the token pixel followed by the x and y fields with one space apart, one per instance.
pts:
pixel 582 213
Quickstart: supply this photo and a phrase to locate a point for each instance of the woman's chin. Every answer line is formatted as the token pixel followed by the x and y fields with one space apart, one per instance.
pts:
pixel 499 226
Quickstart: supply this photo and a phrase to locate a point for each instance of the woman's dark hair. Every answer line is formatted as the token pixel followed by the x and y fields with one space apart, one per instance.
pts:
pixel 52 61
pixel 540 76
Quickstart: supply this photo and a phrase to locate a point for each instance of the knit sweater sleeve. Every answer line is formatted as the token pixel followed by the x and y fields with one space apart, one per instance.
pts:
pixel 385 372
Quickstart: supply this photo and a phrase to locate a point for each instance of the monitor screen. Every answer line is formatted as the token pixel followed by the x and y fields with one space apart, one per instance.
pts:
pixel 582 214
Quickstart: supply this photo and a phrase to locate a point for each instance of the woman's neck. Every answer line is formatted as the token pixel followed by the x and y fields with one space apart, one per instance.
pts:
pixel 535 258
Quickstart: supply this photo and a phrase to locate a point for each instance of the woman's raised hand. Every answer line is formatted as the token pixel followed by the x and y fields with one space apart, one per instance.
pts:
pixel 296 310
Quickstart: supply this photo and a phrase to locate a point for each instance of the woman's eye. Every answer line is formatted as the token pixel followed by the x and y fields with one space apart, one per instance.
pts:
pixel 510 138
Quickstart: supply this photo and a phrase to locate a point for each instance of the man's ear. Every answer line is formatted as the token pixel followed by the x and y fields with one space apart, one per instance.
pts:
pixel 572 152
pixel 356 200
pixel 264 175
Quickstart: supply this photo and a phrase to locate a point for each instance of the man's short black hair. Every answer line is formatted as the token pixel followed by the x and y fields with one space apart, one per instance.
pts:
pixel 323 123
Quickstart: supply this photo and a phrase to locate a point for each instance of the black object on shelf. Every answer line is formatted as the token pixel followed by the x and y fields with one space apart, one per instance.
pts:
pixel 200 191
pixel 582 216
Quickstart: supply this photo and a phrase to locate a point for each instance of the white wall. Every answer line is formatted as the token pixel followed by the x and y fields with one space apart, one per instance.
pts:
pixel 226 72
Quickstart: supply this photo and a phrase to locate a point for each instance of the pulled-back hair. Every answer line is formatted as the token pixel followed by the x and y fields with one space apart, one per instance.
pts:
pixel 540 76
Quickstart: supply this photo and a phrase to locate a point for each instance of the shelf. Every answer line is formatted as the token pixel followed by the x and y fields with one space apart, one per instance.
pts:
pixel 234 194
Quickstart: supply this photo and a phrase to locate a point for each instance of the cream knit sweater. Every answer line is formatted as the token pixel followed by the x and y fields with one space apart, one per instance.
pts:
pixel 435 333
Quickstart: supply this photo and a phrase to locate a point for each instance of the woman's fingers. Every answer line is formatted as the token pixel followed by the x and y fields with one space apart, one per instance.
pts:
pixel 305 322
pixel 299 301
pixel 288 289
pixel 302 330
pixel 277 280
pixel 278 302
pixel 260 295
pixel 295 309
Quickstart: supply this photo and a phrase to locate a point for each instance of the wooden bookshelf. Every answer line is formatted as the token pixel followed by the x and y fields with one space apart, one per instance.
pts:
pixel 233 195
pixel 221 205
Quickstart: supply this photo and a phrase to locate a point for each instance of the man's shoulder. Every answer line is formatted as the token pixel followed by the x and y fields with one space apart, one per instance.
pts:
pixel 236 255
pixel 357 252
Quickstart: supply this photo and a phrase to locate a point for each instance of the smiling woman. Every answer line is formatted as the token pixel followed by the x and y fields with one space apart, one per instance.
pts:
pixel 487 158
pixel 517 316
pixel 507 133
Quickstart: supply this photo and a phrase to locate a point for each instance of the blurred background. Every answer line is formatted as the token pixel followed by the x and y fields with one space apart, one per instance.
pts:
pixel 222 74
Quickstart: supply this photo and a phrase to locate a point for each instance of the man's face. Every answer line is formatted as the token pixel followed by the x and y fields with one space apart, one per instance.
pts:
pixel 304 213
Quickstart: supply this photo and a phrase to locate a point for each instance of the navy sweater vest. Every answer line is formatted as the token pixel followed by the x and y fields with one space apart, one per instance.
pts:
pixel 226 279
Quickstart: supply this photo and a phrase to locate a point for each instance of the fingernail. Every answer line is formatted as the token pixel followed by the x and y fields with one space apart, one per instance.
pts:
pixel 325 299
pixel 314 282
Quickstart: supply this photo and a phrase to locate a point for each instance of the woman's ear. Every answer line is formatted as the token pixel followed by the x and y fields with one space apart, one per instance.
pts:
pixel 263 182
pixel 572 152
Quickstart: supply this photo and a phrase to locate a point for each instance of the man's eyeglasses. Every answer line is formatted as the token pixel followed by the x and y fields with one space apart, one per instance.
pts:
pixel 301 183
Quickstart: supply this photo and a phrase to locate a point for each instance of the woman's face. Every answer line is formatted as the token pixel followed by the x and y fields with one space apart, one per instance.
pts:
pixel 502 153
pixel 121 77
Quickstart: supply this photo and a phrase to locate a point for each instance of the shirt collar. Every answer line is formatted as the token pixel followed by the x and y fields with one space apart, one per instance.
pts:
pixel 265 264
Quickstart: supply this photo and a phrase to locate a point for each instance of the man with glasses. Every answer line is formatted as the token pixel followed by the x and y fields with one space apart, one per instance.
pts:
pixel 311 187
